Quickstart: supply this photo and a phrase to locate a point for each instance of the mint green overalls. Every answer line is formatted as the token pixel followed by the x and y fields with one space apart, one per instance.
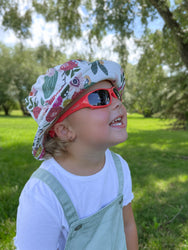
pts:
pixel 103 230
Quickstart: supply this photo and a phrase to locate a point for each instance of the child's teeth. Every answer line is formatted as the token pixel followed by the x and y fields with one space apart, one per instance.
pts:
pixel 116 120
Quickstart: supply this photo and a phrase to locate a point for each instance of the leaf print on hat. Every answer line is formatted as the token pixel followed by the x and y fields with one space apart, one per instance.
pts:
pixel 70 68
pixel 49 85
pixel 94 67
pixel 65 92
pixel 102 67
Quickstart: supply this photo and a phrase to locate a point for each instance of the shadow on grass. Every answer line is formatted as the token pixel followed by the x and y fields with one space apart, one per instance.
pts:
pixel 160 181
pixel 17 164
pixel 14 116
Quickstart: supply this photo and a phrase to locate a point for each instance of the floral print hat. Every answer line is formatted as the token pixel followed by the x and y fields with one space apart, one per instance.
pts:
pixel 53 91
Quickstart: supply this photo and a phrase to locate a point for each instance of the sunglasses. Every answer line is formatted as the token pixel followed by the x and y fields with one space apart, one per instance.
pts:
pixel 99 98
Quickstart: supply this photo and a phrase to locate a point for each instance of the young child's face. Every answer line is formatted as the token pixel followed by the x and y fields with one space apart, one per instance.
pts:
pixel 103 127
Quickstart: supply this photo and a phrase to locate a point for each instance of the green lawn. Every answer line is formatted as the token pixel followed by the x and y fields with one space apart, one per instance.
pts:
pixel 158 159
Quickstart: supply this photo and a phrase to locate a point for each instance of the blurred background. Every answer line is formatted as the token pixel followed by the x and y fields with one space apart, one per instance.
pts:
pixel 148 38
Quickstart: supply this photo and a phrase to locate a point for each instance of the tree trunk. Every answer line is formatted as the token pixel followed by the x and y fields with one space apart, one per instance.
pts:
pixel 173 25
pixel 6 109
pixel 23 109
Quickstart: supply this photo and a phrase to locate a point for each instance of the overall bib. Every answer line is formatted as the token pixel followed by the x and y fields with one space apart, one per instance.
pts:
pixel 103 230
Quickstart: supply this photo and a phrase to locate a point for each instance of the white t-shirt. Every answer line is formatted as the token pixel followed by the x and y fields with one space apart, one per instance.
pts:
pixel 41 224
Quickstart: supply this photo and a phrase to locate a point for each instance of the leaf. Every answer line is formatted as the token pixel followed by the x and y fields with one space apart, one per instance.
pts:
pixel 42 101
pixel 72 73
pixel 65 92
pixel 49 85
pixel 29 103
pixel 76 70
pixel 67 72
pixel 103 68
pixel 94 68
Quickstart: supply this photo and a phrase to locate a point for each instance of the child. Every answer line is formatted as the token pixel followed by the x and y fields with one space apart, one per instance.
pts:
pixel 80 197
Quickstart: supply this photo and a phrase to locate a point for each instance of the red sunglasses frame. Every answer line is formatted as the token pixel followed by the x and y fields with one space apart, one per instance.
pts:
pixel 83 102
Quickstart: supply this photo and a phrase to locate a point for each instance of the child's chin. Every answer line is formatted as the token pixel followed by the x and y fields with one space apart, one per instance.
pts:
pixel 123 138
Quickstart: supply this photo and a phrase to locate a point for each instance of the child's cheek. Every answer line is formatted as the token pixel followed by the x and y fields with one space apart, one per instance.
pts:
pixel 101 115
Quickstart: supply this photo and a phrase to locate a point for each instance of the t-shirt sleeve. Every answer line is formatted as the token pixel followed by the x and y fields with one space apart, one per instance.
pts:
pixel 38 223
pixel 127 189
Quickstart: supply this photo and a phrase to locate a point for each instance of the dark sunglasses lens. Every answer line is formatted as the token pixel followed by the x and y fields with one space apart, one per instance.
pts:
pixel 116 92
pixel 99 98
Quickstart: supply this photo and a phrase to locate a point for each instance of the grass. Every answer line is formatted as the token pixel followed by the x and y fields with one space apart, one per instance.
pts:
pixel 158 159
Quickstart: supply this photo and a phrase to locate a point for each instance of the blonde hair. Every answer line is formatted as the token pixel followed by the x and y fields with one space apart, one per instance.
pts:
pixel 54 146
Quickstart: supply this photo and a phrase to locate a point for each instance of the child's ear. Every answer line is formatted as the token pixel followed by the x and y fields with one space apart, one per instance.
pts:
pixel 64 132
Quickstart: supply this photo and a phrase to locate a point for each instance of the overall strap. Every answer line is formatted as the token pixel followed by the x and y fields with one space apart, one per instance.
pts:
pixel 119 171
pixel 60 193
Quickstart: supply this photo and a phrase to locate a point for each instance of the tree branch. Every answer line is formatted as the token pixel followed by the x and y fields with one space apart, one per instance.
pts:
pixel 173 25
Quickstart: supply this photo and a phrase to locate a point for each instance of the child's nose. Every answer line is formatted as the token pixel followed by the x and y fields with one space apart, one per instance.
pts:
pixel 116 103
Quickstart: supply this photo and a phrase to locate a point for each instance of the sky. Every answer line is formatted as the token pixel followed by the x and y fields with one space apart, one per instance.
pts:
pixel 46 32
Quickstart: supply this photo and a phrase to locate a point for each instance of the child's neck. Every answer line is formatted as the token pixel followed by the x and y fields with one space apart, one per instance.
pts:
pixel 82 163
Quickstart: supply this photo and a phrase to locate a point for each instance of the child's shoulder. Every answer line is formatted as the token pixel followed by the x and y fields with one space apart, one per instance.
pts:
pixel 109 154
pixel 36 188
pixel 38 195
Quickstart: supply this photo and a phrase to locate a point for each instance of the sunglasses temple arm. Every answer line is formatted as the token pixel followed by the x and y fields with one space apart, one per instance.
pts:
pixel 78 105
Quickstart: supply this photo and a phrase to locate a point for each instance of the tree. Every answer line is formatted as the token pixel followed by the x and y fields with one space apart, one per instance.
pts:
pixel 174 99
pixel 49 56
pixel 13 19
pixel 19 69
pixel 29 64
pixel 151 74
pixel 170 86
pixel 118 16
pixel 168 48
pixel 176 22
pixel 102 16
pixel 142 91
pixel 24 73
pixel 7 93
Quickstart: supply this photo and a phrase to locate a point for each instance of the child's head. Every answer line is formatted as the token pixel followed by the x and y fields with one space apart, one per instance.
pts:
pixel 55 92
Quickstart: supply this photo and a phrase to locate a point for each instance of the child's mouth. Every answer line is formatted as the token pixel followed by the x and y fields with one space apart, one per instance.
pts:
pixel 117 122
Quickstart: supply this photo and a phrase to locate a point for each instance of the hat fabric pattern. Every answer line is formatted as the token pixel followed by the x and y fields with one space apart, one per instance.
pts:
pixel 53 91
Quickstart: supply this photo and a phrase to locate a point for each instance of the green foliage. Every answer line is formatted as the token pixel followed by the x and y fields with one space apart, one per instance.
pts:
pixel 49 85
pixel 163 92
pixel 174 99
pixel 142 91
pixel 12 18
pixel 153 86
pixel 101 17
pixel 65 13
pixel 7 92
pixel 157 157
pixel 49 56
pixel 150 74
pixel 24 73
pixel 19 70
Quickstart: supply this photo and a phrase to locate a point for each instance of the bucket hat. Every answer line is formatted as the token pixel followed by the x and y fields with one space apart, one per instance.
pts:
pixel 54 90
